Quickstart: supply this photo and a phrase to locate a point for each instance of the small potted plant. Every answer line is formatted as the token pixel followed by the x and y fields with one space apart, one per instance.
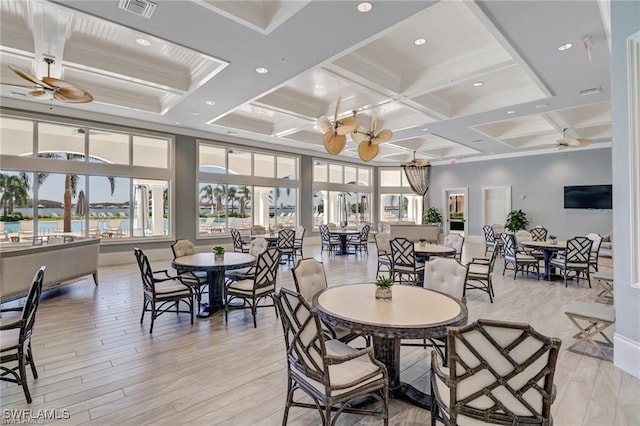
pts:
pixel 552 239
pixel 422 242
pixel 218 253
pixel 383 288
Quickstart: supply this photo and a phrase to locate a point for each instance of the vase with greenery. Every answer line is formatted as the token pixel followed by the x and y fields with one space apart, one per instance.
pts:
pixel 218 253
pixel 383 288
pixel 422 242
pixel 516 220
pixel 553 239
pixel 433 216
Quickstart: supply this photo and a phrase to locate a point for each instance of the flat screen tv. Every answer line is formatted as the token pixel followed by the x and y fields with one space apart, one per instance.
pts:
pixel 588 197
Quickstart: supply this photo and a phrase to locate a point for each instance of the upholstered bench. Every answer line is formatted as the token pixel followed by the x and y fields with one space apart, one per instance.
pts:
pixel 598 318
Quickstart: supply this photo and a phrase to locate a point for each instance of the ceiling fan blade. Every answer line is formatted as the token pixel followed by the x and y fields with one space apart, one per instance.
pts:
pixel 28 77
pixel 334 143
pixel 383 136
pixel 360 135
pixel 583 142
pixel 60 96
pixel 421 162
pixel 368 151
pixel 39 94
pixel 23 86
pixel 335 114
pixel 347 125
pixel 324 124
pixel 69 89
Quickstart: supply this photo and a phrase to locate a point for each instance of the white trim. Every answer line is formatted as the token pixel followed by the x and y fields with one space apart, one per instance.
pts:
pixel 484 190
pixel 445 208
pixel 633 60
pixel 626 355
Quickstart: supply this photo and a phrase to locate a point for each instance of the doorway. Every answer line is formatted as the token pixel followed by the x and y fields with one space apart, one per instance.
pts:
pixel 456 211
pixel 496 204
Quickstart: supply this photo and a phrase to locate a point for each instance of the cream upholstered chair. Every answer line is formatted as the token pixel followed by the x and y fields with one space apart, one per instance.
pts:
pixel 310 278
pixel 258 230
pixel 15 339
pixel 298 240
pixel 523 236
pixel 499 373
pixel 479 272
pixel 256 247
pixel 330 372
pixel 197 280
pixel 383 246
pixel 457 242
pixel 252 291
pixel 161 291
pixel 595 250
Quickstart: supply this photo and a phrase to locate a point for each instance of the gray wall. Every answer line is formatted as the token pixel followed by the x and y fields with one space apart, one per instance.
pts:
pixel 541 180
pixel 625 17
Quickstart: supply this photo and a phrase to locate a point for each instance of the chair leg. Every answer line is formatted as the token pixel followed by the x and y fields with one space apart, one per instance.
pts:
pixel 287 405
pixel 23 376
pixel 254 312
pixel 31 362
pixel 153 316
pixel 144 308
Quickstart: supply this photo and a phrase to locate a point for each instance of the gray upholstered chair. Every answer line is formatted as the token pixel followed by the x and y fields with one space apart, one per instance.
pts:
pixel 329 372
pixel 252 291
pixel 595 250
pixel 479 272
pixel 258 230
pixel 194 279
pixel 519 260
pixel 575 258
pixel 457 242
pixel 162 292
pixel 499 373
pixel 15 338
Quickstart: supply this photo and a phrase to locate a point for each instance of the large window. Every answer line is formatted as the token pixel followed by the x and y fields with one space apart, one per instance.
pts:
pixel 83 181
pixel 341 194
pixel 241 188
pixel 397 202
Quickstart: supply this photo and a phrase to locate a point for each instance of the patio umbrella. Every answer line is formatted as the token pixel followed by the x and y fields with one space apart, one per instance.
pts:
pixel 81 204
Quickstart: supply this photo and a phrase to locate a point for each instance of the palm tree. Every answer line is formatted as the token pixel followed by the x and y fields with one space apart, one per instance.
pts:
pixel 70 182
pixel 232 196
pixel 245 198
pixel 15 190
pixel 219 193
pixel 208 195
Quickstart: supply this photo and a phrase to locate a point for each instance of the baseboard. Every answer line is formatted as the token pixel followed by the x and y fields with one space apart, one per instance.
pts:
pixel 626 355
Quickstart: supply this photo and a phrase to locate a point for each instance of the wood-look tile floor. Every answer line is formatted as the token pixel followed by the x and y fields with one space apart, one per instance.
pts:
pixel 96 361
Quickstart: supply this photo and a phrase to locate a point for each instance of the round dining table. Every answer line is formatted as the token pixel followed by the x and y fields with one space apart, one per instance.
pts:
pixel 272 239
pixel 215 269
pixel 343 234
pixel 412 313
pixel 548 248
pixel 428 250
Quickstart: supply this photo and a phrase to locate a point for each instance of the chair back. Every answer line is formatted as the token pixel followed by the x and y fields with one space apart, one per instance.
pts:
pixel 309 277
pixel 597 240
pixel 28 316
pixel 489 235
pixel 501 373
pixel 299 234
pixel 578 250
pixel 539 233
pixel 267 268
pixel 332 226
pixel 403 252
pixel 509 246
pixel 26 226
pixel 498 228
pixel 182 248
pixel 286 239
pixel 383 243
pixel 324 233
pixel 237 239
pixel 258 229
pixel 364 233
pixel 302 335
pixel 522 236
pixel 455 241
pixel 56 239
pixel 258 246
pixel 146 273
pixel 445 275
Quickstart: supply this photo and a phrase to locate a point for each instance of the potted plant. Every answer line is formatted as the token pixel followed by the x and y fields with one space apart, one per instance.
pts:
pixel 516 220
pixel 422 242
pixel 218 253
pixel 383 288
pixel 552 239
pixel 433 216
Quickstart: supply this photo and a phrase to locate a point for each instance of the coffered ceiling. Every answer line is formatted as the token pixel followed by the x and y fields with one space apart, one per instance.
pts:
pixel 452 79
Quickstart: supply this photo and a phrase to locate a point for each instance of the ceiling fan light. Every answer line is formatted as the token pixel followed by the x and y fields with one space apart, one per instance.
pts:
pixel 565 46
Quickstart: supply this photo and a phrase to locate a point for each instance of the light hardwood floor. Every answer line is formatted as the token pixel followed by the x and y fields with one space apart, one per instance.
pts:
pixel 97 361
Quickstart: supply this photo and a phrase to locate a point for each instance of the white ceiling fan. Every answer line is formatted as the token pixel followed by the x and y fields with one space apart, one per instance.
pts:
pixel 418 162
pixel 566 142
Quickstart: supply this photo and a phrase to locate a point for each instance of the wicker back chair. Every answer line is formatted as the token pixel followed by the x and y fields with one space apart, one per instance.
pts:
pixel 327 242
pixel 299 240
pixel 403 261
pixel 286 243
pixel 197 280
pixel 252 291
pixel 383 246
pixel 499 372
pixel 256 247
pixel 239 245
pixel 15 337
pixel 513 256
pixel 330 372
pixel 539 233
pixel 576 258
pixel 489 239
pixel 479 272
pixel 595 250
pixel 161 291
pixel 457 242
pixel 361 242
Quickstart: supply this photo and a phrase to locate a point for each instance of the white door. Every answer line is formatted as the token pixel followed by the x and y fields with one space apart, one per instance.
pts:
pixel 496 204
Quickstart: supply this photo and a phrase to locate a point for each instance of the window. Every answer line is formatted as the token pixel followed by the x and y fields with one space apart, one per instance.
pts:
pixel 110 148
pixel 264 165
pixel 16 136
pixel 397 201
pixel 150 152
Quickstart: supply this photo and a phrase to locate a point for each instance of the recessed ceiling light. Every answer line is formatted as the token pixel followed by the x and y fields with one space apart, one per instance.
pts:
pixel 210 102
pixel 426 129
pixel 195 113
pixel 143 42
pixel 230 132
pixel 262 70
pixel 178 123
pixel 419 41
pixel 364 7
pixel 565 46
pixel 319 86
pixel 511 111
pixel 478 83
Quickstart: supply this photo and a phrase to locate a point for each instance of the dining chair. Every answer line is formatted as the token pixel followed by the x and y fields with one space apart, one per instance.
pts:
pixel 361 241
pixel 256 247
pixel 329 372
pixel 523 236
pixel 258 230
pixel 327 242
pixel 252 291
pixel 539 233
pixel 310 278
pixel 383 247
pixel 479 273
pixel 239 245
pixel 513 256
pixel 15 338
pixel 595 250
pixel 299 240
pixel 286 244
pixel 489 239
pixel 455 241
pixel 161 291
pixel 197 280
pixel 404 263
pixel 498 373
pixel 576 258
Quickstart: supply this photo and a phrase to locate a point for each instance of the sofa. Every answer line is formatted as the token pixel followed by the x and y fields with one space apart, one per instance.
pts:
pixel 64 262
pixel 414 233
pixel 606 247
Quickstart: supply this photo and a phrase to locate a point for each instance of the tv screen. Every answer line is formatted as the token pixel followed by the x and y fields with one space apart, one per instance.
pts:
pixel 588 197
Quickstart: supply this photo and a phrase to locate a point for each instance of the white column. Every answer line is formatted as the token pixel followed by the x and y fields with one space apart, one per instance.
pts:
pixel 261 206
pixel 157 201
pixel 333 207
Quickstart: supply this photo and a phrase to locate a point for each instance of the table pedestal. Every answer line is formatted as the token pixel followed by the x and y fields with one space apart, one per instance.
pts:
pixel 387 351
pixel 216 283
pixel 343 246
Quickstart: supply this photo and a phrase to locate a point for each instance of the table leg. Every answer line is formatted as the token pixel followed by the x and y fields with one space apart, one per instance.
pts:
pixel 387 351
pixel 215 280
pixel 547 266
